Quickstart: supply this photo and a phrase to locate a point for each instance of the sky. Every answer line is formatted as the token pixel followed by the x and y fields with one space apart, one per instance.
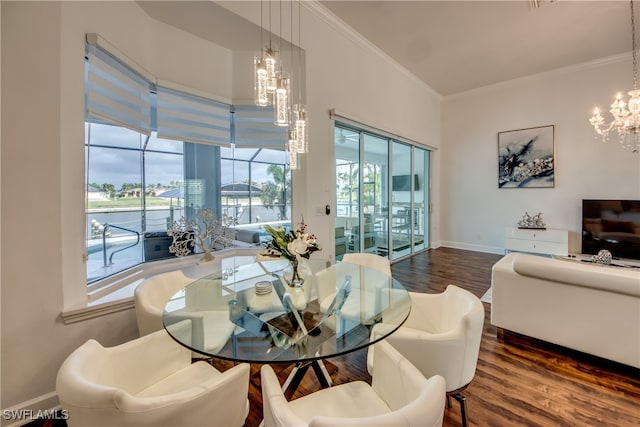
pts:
pixel 117 167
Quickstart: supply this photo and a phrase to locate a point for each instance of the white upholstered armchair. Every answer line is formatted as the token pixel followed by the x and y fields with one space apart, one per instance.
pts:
pixel 441 336
pixel 204 313
pixel 398 396
pixel 149 381
pixel 152 295
pixel 373 261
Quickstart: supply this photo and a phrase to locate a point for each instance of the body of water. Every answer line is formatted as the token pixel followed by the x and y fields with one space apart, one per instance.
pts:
pixel 118 241
pixel 156 219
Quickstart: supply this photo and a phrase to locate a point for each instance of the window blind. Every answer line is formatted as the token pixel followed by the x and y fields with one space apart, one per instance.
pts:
pixel 185 117
pixel 253 128
pixel 114 93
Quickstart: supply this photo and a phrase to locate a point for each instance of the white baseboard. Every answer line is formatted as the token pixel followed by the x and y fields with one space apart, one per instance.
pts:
pixel 472 247
pixel 25 412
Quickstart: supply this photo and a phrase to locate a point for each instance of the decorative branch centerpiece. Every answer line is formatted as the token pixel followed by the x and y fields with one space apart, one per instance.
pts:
pixel 291 245
pixel 205 231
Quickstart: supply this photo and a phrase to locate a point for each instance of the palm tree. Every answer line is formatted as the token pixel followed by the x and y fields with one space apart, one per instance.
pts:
pixel 277 192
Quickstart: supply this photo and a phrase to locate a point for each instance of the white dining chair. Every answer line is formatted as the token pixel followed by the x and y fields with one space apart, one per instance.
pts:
pixel 152 295
pixel 210 326
pixel 367 288
pixel 399 395
pixel 369 260
pixel 441 336
pixel 149 381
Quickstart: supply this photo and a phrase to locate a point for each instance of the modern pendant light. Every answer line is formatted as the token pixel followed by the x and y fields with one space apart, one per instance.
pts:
pixel 300 114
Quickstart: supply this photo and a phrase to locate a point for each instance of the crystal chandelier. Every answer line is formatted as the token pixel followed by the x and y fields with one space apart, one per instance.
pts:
pixel 626 115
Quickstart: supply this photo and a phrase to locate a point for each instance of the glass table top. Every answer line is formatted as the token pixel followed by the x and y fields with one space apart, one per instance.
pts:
pixel 247 312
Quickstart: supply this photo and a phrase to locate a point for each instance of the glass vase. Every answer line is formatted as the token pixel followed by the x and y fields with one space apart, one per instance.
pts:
pixel 294 280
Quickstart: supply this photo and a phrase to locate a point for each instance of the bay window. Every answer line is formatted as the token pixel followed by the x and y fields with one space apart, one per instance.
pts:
pixel 154 155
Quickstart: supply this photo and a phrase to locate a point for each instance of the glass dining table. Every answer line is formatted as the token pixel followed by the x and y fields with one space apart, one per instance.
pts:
pixel 247 312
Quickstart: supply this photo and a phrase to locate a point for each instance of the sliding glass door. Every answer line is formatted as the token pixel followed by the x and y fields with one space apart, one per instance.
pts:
pixel 375 194
pixel 402 183
pixel 382 194
pixel 347 153
pixel 420 199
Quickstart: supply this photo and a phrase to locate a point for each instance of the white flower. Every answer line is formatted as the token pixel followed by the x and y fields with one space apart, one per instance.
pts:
pixel 298 246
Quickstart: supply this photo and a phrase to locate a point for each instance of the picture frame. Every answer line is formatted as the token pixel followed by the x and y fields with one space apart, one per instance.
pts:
pixel 526 158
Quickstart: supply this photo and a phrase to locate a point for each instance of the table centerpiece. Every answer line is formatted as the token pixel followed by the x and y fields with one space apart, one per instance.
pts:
pixel 291 245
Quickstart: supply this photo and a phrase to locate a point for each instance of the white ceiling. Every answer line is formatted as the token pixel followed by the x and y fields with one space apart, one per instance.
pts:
pixel 207 20
pixel 453 46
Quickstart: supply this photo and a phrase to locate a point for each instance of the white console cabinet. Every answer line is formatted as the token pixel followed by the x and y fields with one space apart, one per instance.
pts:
pixel 535 241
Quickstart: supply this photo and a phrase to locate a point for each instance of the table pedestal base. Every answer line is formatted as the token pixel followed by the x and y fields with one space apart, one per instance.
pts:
pixel 300 369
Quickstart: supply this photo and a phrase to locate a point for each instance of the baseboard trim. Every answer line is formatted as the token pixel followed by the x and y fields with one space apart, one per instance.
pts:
pixel 26 412
pixel 472 247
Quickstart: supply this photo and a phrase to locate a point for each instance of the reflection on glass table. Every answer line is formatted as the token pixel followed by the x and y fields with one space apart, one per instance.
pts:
pixel 248 313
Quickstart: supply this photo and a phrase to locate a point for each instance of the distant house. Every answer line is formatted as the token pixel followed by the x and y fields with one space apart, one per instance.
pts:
pixel 155 192
pixel 132 192
pixel 96 193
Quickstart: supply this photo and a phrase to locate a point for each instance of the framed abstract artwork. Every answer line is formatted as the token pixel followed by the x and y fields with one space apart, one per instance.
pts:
pixel 526 158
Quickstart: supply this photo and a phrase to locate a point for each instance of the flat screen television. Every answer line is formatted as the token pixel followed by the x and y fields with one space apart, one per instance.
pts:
pixel 613 225
pixel 403 183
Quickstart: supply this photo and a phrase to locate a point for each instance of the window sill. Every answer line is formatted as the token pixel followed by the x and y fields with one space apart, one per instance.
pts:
pixel 115 294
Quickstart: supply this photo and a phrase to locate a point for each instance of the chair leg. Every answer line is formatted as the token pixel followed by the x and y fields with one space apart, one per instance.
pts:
pixel 463 407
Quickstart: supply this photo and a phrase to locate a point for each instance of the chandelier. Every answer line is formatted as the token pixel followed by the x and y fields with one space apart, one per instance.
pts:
pixel 273 87
pixel 626 116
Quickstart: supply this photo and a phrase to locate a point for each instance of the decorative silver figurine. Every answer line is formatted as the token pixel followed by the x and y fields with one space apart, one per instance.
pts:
pixel 529 221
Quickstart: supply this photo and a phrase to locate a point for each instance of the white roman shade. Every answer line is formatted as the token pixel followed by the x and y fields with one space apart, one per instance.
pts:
pixel 253 128
pixel 114 92
pixel 185 117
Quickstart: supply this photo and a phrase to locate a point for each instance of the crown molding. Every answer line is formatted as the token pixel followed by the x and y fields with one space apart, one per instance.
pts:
pixel 343 28
pixel 596 63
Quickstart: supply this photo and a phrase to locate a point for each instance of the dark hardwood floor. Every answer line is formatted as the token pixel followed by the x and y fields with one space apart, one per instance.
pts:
pixel 519 381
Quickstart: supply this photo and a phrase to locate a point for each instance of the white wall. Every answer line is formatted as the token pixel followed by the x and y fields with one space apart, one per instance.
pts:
pixel 43 156
pixel 474 211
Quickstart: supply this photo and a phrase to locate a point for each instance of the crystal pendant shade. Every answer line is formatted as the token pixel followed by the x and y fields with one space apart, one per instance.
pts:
pixel 281 100
pixel 260 82
pixel 270 64
pixel 300 123
pixel 293 152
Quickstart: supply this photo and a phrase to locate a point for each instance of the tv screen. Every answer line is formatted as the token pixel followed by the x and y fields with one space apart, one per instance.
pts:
pixel 403 183
pixel 613 225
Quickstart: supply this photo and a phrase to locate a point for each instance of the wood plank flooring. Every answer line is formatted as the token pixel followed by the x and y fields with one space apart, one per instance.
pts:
pixel 519 381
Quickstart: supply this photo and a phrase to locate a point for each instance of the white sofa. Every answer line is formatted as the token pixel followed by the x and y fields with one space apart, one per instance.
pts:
pixel 591 308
